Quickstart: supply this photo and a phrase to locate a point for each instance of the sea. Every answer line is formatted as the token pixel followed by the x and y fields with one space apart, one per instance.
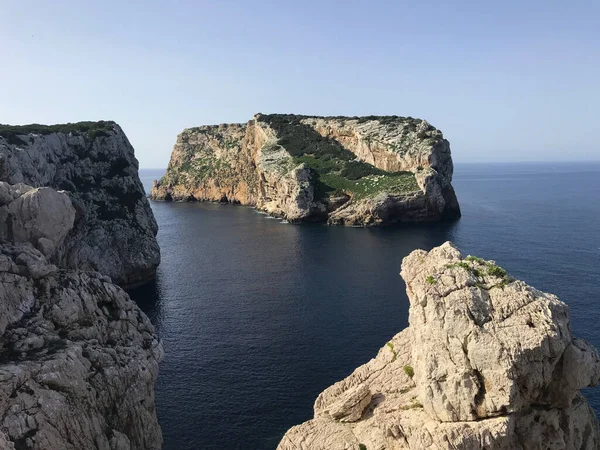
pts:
pixel 258 316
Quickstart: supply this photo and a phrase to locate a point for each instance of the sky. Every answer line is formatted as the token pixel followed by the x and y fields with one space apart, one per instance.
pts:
pixel 505 80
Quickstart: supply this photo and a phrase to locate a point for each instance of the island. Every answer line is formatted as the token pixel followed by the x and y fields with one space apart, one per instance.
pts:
pixel 357 171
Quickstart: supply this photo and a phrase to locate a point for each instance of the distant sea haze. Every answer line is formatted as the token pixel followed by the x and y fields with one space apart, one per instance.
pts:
pixel 258 317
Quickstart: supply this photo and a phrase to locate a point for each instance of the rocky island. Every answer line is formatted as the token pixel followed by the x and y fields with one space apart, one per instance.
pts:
pixel 487 363
pixel 359 171
pixel 78 359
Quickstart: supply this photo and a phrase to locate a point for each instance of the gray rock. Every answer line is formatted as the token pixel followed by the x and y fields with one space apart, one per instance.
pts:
pixel 40 216
pixel 114 230
pixel 78 359
pixel 78 362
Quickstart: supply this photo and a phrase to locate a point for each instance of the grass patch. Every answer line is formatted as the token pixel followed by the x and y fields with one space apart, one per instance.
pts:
pixel 475 259
pixel 391 346
pixel 335 169
pixel 408 370
pixel 460 264
pixel 393 183
pixel 430 279
pixel 487 269
pixel 413 405
pixel 355 170
pixel 496 271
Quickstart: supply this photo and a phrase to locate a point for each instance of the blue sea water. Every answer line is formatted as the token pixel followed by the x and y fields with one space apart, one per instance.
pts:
pixel 257 317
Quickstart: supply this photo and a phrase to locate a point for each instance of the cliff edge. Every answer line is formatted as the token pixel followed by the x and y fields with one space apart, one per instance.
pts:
pixel 343 170
pixel 487 362
pixel 114 231
pixel 78 359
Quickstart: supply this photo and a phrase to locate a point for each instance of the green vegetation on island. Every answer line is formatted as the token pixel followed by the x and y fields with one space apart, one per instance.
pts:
pixel 335 170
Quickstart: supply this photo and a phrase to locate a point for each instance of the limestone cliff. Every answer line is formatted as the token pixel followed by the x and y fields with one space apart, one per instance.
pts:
pixel 94 162
pixel 78 359
pixel 487 362
pixel 343 170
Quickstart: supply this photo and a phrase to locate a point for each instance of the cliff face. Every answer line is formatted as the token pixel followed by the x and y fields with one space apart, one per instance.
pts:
pixel 78 359
pixel 347 171
pixel 487 362
pixel 114 231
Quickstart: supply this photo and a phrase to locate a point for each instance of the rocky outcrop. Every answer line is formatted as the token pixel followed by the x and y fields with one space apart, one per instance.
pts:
pixel 78 359
pixel 348 171
pixel 487 362
pixel 94 163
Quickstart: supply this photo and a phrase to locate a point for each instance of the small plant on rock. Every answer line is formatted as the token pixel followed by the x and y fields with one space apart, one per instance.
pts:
pixel 391 346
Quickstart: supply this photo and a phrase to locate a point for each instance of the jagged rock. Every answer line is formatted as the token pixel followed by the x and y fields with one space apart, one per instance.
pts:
pixel 351 405
pixel 79 362
pixel 94 163
pixel 487 362
pixel 40 216
pixel 346 171
pixel 78 359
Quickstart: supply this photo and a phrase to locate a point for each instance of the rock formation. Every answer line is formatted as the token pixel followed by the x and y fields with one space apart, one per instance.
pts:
pixel 94 163
pixel 349 171
pixel 487 362
pixel 78 359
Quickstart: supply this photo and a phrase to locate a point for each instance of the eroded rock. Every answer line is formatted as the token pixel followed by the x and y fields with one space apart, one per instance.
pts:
pixel 78 362
pixel 94 164
pixel 78 359
pixel 487 362
pixel 358 171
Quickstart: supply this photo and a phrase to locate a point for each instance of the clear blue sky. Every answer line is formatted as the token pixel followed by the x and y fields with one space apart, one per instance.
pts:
pixel 504 80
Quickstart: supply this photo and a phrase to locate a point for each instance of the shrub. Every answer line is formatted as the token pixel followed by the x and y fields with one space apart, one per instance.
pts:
pixel 391 346
pixel 355 170
pixel 408 370
pixel 93 129
pixel 475 259
pixel 496 271
pixel 430 279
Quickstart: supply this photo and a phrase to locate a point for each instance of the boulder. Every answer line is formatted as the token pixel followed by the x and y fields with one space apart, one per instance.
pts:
pixel 41 216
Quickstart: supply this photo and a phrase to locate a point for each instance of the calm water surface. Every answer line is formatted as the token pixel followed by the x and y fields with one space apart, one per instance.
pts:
pixel 257 317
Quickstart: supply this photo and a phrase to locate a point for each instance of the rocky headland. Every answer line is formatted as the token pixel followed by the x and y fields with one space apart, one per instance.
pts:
pixel 114 231
pixel 78 359
pixel 487 363
pixel 359 171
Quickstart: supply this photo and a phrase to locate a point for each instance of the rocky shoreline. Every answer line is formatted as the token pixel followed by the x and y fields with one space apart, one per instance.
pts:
pixel 361 171
pixel 487 362
pixel 78 358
